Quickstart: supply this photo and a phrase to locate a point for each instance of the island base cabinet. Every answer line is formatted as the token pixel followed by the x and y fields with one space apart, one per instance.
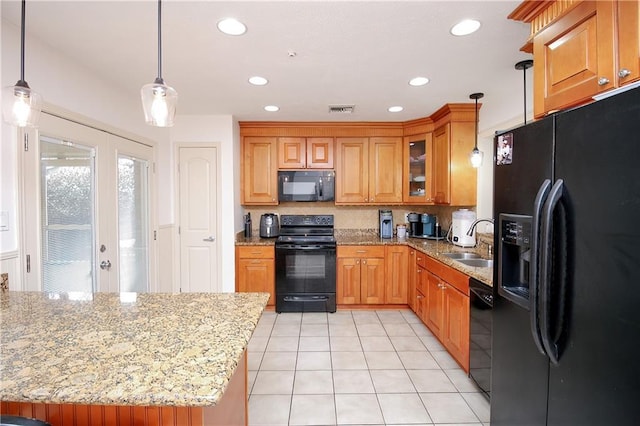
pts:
pixel 232 410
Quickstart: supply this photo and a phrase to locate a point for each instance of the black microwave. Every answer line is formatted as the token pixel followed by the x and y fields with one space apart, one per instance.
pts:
pixel 306 185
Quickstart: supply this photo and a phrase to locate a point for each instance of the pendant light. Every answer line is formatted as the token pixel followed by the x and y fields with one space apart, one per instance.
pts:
pixel 20 105
pixel 524 66
pixel 159 100
pixel 475 157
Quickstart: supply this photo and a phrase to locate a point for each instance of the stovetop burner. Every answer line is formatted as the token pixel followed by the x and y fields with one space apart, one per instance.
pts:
pixel 306 229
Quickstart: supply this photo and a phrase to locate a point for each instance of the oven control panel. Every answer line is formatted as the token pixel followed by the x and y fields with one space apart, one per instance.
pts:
pixel 306 220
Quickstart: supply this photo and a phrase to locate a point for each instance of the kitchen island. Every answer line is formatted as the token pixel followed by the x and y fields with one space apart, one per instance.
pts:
pixel 126 358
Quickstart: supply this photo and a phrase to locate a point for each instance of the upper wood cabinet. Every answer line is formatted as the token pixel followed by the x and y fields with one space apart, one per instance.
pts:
pixel 454 179
pixel 580 49
pixel 369 170
pixel 418 169
pixel 259 184
pixel 301 153
pixel 376 163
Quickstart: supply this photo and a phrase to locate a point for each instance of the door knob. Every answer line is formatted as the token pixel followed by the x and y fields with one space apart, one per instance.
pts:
pixel 210 239
pixel 105 264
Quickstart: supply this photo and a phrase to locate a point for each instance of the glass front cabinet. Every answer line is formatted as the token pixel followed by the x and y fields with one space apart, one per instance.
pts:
pixel 418 169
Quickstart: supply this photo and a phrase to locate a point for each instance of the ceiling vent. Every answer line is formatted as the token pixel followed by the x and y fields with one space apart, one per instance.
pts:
pixel 341 109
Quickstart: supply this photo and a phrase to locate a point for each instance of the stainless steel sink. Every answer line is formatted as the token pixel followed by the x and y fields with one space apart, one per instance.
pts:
pixel 461 256
pixel 478 263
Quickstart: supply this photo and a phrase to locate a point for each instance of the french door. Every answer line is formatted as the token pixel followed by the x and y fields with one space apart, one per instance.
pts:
pixel 87 223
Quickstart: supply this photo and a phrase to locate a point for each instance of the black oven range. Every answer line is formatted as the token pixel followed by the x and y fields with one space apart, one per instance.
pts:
pixel 306 264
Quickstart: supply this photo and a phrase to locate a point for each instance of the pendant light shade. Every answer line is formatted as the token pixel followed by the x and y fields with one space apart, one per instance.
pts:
pixel 476 156
pixel 158 99
pixel 21 106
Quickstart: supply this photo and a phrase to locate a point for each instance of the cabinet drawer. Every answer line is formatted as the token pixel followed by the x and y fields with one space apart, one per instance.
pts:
pixel 421 259
pixel 456 278
pixel 255 252
pixel 360 251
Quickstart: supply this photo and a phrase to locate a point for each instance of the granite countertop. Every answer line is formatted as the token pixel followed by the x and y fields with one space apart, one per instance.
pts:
pixel 432 248
pixel 146 349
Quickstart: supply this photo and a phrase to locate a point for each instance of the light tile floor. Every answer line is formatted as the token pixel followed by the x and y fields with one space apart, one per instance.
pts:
pixel 355 368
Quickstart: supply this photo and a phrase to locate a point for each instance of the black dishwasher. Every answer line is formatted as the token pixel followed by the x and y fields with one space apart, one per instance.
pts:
pixel 481 304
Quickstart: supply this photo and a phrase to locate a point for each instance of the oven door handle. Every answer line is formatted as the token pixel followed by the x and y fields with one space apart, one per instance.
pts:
pixel 304 247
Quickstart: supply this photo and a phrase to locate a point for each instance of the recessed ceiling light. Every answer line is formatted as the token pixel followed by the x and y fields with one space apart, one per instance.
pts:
pixel 395 109
pixel 258 81
pixel 271 108
pixel 232 26
pixel 465 27
pixel 418 81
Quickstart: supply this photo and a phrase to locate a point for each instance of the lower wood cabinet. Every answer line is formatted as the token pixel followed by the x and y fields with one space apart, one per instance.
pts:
pixel 442 303
pixel 397 274
pixel 360 274
pixel 255 270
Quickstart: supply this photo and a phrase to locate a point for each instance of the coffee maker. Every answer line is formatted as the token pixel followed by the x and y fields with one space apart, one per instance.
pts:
pixel 428 225
pixel 386 223
pixel 415 225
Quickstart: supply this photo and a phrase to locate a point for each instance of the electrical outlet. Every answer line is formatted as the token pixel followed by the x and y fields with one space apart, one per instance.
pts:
pixel 4 281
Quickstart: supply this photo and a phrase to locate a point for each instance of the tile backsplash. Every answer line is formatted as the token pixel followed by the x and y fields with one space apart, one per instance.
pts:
pixel 353 217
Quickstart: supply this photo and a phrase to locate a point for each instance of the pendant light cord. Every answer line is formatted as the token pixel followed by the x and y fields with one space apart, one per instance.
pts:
pixel 476 120
pixel 22 41
pixel 160 39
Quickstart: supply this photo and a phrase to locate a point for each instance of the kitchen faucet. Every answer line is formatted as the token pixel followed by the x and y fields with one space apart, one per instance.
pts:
pixel 475 223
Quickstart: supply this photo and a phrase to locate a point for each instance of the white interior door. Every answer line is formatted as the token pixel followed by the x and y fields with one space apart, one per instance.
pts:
pixel 197 175
pixel 78 183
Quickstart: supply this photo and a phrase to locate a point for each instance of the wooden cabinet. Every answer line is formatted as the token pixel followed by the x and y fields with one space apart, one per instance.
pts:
pixel 259 184
pixel 411 279
pixel 397 274
pixel 580 49
pixel 441 164
pixel 454 179
pixel 360 275
pixel 434 315
pixel 369 170
pixel 418 169
pixel 352 170
pixel 628 20
pixel 421 286
pixel 301 153
pixel 442 303
pixel 448 309
pixel 255 270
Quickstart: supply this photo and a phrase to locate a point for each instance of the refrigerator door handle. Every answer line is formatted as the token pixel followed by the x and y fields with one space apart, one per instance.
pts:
pixel 546 271
pixel 534 276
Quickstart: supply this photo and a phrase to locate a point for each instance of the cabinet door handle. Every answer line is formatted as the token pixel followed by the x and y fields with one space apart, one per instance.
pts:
pixel 418 270
pixel 624 73
pixel 364 262
pixel 357 262
pixel 603 81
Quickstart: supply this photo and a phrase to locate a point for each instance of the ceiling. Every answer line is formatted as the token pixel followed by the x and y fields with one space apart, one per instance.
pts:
pixel 347 52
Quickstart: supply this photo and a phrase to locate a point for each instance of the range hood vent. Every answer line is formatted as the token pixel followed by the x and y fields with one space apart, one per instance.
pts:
pixel 341 109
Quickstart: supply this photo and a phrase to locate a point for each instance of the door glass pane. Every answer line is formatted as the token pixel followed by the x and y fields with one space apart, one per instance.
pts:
pixel 417 168
pixel 133 224
pixel 68 223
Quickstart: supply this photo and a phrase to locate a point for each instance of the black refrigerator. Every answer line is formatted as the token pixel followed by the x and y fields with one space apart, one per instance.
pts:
pixel 566 315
